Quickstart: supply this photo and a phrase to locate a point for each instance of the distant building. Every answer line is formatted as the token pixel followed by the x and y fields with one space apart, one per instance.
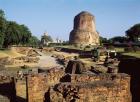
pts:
pixel 46 39
pixel 58 40
pixel 46 34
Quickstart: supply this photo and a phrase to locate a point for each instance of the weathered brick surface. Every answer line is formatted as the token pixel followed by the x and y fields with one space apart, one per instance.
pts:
pixel 105 91
pixel 75 67
pixel 92 77
pixel 7 89
pixel 121 80
pixel 78 87
pixel 84 30
pixel 39 84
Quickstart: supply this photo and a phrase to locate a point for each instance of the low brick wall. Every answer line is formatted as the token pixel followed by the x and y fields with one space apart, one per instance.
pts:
pixel 74 78
pixel 97 88
pixel 55 86
pixel 99 91
pixel 39 84
pixel 7 89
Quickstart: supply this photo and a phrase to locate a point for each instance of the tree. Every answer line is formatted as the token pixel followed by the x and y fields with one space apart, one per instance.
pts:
pixel 33 41
pixel 103 40
pixel 1 40
pixel 12 34
pixel 16 34
pixel 120 39
pixel 2 14
pixel 2 27
pixel 133 33
pixel 25 34
pixel 45 39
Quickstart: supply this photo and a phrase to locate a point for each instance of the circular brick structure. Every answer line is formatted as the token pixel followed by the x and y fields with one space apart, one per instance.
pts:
pixel 84 30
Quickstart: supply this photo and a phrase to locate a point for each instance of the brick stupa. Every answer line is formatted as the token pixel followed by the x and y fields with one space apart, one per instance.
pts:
pixel 84 30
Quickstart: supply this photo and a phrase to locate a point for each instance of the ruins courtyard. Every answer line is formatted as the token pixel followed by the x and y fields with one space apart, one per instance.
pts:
pixel 64 79
pixel 69 51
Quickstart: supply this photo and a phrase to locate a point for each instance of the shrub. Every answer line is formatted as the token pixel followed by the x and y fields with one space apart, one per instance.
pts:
pixel 111 47
pixel 24 67
pixel 129 49
pixel 88 46
pixel 77 45
pixel 136 48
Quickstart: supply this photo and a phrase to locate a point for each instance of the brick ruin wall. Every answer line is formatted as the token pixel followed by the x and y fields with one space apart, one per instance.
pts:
pixel 7 89
pixel 104 91
pixel 93 88
pixel 119 78
pixel 78 87
pixel 131 66
pixel 39 84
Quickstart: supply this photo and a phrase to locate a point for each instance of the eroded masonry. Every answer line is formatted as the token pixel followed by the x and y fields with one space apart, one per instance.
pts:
pixel 74 80
pixel 55 85
pixel 84 30
pixel 7 89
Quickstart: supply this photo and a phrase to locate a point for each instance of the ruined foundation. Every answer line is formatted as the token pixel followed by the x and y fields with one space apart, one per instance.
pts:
pixel 39 84
pixel 61 87
pixel 7 89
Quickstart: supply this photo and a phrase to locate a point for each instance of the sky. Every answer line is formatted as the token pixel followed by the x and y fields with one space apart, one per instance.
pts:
pixel 113 17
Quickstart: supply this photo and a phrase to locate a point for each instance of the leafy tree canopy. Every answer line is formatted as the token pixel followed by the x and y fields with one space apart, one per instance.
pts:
pixel 103 40
pixel 134 32
pixel 46 38
pixel 34 41
pixel 12 32
pixel 2 14
pixel 25 34
pixel 119 39
pixel 2 27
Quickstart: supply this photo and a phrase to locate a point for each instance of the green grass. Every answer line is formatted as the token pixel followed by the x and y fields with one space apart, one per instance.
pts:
pixel 119 49
pixel 71 47
pixel 133 54
pixel 77 47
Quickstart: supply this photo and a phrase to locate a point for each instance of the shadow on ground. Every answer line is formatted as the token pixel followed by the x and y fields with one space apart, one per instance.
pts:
pixel 20 99
pixel 7 92
pixel 131 66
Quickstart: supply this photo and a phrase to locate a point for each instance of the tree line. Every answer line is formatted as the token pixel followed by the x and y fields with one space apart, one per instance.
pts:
pixel 132 34
pixel 12 33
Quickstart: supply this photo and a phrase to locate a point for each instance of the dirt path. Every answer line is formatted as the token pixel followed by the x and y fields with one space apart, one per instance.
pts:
pixel 47 61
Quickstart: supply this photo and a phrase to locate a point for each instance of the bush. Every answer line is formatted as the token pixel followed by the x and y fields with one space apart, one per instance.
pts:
pixel 129 49
pixel 88 46
pixel 136 48
pixel 77 45
pixel 24 67
pixel 111 47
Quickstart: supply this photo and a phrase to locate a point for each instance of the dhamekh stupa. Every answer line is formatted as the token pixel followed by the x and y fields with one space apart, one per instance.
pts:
pixel 84 30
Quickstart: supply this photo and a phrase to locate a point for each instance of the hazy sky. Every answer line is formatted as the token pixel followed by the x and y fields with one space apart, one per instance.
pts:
pixel 113 17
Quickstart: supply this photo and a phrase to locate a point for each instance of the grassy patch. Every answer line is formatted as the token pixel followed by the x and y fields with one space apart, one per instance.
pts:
pixel 9 53
pixel 133 54
pixel 72 47
pixel 119 49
